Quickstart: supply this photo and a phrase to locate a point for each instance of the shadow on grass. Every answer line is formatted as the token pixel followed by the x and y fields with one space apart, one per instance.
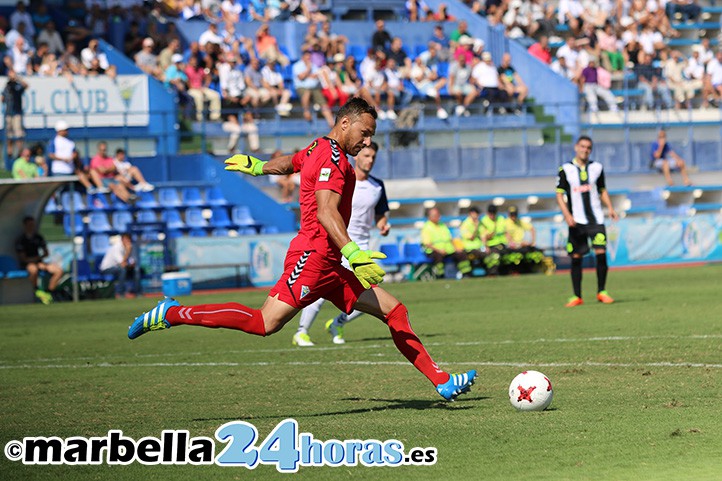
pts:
pixel 388 338
pixel 388 404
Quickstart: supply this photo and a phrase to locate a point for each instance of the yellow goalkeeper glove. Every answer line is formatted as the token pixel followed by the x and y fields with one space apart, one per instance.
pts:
pixel 362 264
pixel 246 164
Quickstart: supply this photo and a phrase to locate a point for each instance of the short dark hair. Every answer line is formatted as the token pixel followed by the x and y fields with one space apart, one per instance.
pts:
pixel 119 150
pixel 373 146
pixel 28 218
pixel 492 209
pixel 354 108
pixel 585 137
pixel 474 209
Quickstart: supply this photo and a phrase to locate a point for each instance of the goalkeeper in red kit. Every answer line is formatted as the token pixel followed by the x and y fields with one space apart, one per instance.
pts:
pixel 312 268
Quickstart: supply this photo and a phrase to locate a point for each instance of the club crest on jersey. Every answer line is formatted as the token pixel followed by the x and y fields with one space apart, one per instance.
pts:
pixel 305 291
pixel 325 174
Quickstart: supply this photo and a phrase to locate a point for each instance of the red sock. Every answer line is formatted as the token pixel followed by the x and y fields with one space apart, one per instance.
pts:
pixel 230 315
pixel 411 347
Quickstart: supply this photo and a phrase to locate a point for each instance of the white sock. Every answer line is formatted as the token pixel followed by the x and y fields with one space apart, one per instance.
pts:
pixel 343 319
pixel 308 315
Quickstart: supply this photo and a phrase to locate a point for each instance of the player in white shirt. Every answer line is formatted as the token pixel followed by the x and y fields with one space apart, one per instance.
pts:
pixel 369 209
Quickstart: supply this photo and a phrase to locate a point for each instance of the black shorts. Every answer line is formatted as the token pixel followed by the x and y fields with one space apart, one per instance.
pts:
pixel 581 234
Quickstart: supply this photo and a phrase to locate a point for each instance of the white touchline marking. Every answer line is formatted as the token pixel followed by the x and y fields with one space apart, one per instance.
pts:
pixel 360 346
pixel 366 363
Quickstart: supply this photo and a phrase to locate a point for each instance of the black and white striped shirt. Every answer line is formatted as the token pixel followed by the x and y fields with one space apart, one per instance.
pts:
pixel 583 186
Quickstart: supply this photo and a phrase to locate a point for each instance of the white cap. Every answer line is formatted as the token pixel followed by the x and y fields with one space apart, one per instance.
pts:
pixel 176 58
pixel 486 56
pixel 148 42
pixel 466 40
pixel 61 125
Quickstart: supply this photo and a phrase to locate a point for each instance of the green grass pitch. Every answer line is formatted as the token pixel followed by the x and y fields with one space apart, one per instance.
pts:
pixel 636 384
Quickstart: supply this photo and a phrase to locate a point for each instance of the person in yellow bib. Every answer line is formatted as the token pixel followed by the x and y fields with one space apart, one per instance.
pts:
pixel 471 237
pixel 438 244
pixel 495 237
pixel 522 242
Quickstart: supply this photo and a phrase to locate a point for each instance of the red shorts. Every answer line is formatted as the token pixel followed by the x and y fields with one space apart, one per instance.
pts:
pixel 309 276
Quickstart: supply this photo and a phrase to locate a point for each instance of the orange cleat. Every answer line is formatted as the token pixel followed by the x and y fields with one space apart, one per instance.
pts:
pixel 604 297
pixel 574 302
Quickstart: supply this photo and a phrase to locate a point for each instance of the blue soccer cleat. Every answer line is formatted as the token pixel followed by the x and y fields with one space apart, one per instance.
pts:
pixel 457 384
pixel 152 320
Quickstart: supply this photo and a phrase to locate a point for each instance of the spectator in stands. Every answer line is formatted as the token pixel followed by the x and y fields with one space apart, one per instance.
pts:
pixel 714 71
pixel 682 88
pixel 133 42
pixel 308 87
pixel 62 154
pixel 517 19
pixel 470 231
pixel 417 10
pixel 97 21
pixel 396 94
pixel 428 83
pixel 12 99
pixel 541 50
pixel 318 56
pixel 104 173
pixel 381 39
pixel 267 46
pixel 345 68
pixel 287 184
pixel 37 153
pixel 441 15
pixel 495 10
pixel 430 57
pixel 374 80
pixel 403 61
pixel 31 250
pixel 441 42
pixel 52 38
pixel 464 49
pixel 273 82
pixel 18 58
pixel 231 11
pixel 331 84
pixel 609 45
pixel 236 129
pixel 198 82
pixel 522 242
pixel 688 9
pixel 335 43
pixel 571 13
pixel 438 244
pixel 560 67
pixel 460 87
pixel 695 72
pixel 511 81
pixel 210 36
pixel 232 83
pixel 129 173
pixel 254 84
pixel 21 15
pixel 69 61
pixel 590 84
pixel 176 79
pixel 36 58
pixel 486 79
pixel 92 51
pixel 165 57
pixel 49 67
pixel 665 159
pixel 24 167
pixel 651 40
pixel 495 238
pixel 119 261
pixel 14 34
pixel 650 80
pixel 146 60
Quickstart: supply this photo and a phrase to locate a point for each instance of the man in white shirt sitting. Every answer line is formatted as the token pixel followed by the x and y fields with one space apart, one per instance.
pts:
pixel 120 263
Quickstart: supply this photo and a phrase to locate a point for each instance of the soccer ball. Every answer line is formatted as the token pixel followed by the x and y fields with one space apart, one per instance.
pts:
pixel 531 391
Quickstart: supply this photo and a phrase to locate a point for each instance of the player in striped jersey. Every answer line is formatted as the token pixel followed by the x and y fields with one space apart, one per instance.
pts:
pixel 582 182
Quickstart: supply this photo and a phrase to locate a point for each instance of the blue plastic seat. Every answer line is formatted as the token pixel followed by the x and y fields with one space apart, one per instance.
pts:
pixel 99 244
pixel 10 268
pixel 52 206
pixel 118 204
pixel 121 220
pixel 214 196
pixel 192 196
pixel 174 233
pixel 172 219
pixel 241 216
pixel 220 232
pixel 78 199
pixel 146 200
pixel 247 231
pixel 168 197
pixel 98 202
pixel 79 226
pixel 393 254
pixel 195 219
pixel 219 217
pixel 269 229
pixel 99 222
pixel 146 216
pixel 414 253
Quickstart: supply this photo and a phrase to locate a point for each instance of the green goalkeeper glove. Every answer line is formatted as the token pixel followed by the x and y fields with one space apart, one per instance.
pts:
pixel 246 164
pixel 362 264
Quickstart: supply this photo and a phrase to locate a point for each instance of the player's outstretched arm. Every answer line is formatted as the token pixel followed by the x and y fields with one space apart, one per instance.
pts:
pixel 250 165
